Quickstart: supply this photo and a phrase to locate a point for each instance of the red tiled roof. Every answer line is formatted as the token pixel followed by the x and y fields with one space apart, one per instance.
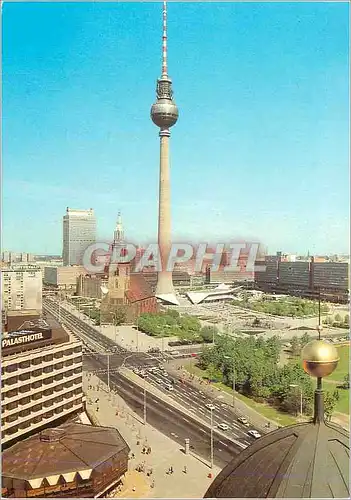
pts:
pixel 139 289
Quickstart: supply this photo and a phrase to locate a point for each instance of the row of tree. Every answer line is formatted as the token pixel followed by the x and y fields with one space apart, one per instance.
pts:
pixel 254 365
pixel 170 324
pixel 338 321
pixel 292 306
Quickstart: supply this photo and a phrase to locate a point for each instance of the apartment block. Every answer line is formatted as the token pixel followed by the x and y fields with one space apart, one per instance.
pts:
pixel 21 287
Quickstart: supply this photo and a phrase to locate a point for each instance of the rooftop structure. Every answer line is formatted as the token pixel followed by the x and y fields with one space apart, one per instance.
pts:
pixel 308 460
pixel 73 460
pixel 221 292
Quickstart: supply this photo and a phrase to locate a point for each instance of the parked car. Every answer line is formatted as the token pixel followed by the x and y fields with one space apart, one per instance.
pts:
pixel 169 387
pixel 244 421
pixel 254 434
pixel 210 406
pixel 223 427
pixel 159 381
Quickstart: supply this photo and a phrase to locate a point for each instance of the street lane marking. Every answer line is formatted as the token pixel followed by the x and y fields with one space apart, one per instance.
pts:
pixel 224 444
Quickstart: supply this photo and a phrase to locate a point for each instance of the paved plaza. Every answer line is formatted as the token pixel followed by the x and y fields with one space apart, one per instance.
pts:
pixel 108 409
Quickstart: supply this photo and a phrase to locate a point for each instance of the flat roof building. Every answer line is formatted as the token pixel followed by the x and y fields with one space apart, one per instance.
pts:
pixel 63 277
pixel 79 231
pixel 21 287
pixel 73 460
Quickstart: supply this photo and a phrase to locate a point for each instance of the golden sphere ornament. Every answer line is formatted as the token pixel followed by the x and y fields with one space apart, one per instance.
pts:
pixel 319 358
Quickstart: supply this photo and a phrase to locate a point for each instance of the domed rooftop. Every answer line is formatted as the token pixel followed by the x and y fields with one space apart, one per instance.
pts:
pixel 300 461
pixel 308 460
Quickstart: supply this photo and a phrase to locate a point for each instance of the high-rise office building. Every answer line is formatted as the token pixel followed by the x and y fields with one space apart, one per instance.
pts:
pixel 79 231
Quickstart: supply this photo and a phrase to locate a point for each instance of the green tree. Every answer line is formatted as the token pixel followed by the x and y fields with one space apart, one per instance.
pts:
pixel 295 346
pixel 208 333
pixel 330 400
pixel 347 320
pixel 346 383
pixel 119 316
pixel 337 318
pixel 305 339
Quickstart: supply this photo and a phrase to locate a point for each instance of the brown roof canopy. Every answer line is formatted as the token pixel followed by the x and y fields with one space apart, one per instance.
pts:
pixel 69 448
pixel 300 461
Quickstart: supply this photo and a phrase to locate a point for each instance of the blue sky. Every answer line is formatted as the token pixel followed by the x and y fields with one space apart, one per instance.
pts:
pixel 260 151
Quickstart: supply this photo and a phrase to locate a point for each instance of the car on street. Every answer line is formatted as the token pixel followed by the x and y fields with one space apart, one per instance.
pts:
pixel 210 406
pixel 244 421
pixel 164 373
pixel 169 387
pixel 223 427
pixel 161 367
pixel 153 369
pixel 159 381
pixel 254 434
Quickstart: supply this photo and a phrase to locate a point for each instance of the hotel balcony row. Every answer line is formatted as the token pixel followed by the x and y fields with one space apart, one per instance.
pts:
pixel 40 407
pixel 20 390
pixel 25 426
pixel 18 380
pixel 32 360
pixel 41 396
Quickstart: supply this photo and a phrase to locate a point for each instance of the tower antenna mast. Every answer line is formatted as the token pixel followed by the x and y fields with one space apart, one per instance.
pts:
pixel 164 41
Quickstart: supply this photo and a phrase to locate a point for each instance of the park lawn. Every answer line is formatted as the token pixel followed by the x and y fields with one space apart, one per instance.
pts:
pixel 265 410
pixel 343 366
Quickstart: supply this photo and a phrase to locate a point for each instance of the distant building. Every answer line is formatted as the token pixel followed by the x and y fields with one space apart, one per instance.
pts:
pixel 21 287
pixel 73 460
pixel 79 231
pixel 305 278
pixel 12 257
pixel 92 285
pixel 41 374
pixel 63 277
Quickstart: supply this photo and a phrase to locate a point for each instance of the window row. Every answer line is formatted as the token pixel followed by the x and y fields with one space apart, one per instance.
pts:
pixel 40 359
pixel 40 383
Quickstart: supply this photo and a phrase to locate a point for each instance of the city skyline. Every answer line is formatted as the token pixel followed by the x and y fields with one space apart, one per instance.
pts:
pixel 84 95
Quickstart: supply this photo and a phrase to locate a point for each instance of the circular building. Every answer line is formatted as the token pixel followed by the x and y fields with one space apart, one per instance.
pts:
pixel 73 460
pixel 308 460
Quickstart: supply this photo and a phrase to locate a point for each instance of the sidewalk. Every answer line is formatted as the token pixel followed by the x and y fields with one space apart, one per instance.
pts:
pixel 165 452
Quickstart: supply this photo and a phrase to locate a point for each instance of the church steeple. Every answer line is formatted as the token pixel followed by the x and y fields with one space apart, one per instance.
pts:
pixel 118 233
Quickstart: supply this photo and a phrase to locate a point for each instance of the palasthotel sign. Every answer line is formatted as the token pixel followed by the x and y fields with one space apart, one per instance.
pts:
pixel 29 336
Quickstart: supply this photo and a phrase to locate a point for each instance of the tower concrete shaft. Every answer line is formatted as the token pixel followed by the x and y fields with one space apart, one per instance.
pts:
pixel 164 279
pixel 164 113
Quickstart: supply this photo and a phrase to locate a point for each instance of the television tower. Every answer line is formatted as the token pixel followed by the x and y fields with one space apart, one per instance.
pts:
pixel 164 114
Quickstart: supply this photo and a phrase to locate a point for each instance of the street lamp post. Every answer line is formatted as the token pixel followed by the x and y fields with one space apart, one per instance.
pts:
pixel 108 372
pixel 211 438
pixel 296 386
pixel 233 375
pixel 145 401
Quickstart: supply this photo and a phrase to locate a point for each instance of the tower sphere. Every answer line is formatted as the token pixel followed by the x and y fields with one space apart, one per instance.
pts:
pixel 164 113
pixel 319 358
